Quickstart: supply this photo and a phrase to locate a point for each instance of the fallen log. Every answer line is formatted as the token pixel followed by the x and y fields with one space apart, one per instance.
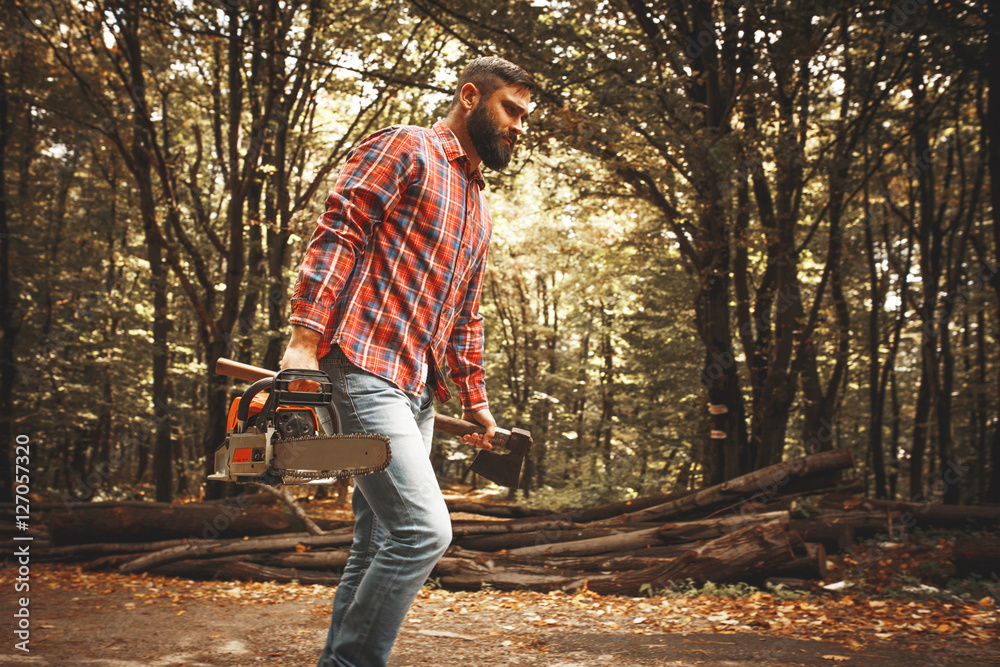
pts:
pixel 979 554
pixel 708 529
pixel 635 539
pixel 835 537
pixel 638 559
pixel 158 521
pixel 686 532
pixel 71 505
pixel 534 538
pixel 464 573
pixel 745 554
pixel 500 511
pixel 811 564
pixel 588 515
pixel 868 522
pixel 465 570
pixel 234 569
pixel 112 562
pixel 755 487
pixel 949 516
pixel 110 548
pixel 212 548
pixel 282 494
pixel 333 559
pixel 554 522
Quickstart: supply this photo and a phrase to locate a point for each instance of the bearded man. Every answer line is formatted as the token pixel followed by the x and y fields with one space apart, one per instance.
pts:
pixel 388 290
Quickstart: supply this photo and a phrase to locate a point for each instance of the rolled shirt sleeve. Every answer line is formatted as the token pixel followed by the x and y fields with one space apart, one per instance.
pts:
pixel 369 185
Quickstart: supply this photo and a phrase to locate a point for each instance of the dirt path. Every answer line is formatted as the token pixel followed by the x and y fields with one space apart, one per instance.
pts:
pixel 109 620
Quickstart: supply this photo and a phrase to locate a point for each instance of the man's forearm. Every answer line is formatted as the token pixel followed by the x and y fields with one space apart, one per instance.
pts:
pixel 304 338
pixel 302 348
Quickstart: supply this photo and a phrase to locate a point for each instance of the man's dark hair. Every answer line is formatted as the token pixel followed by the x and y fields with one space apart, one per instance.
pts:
pixel 490 73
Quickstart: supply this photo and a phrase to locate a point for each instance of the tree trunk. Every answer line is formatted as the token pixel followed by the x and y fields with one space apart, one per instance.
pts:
pixel 993 131
pixel 163 446
pixel 161 521
pixel 9 323
pixel 141 150
pixel 921 426
pixel 876 388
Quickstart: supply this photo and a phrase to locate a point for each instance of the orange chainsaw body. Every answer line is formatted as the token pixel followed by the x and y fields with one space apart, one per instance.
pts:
pixel 257 404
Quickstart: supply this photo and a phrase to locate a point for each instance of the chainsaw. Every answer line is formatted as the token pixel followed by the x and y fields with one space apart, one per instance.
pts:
pixel 280 437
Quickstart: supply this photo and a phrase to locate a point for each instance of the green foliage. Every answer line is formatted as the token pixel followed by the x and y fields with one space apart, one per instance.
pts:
pixel 711 207
pixel 690 588
pixel 806 508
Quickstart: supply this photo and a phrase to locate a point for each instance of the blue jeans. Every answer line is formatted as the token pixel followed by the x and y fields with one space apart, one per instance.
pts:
pixel 402 526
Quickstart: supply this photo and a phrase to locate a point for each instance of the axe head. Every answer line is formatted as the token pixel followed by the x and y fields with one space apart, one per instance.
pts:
pixel 504 468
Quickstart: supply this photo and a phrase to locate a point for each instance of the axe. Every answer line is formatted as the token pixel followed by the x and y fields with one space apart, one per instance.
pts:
pixel 500 467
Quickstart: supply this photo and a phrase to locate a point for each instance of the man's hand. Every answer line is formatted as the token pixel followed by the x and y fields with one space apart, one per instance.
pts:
pixel 301 353
pixel 485 418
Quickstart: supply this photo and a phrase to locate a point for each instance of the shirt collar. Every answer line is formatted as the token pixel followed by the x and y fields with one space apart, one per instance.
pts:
pixel 454 152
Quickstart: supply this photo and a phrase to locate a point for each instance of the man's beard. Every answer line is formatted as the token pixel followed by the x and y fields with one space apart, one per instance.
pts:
pixel 494 146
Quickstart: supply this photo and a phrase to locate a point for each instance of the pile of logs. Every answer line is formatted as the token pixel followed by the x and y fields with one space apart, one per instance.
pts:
pixel 778 523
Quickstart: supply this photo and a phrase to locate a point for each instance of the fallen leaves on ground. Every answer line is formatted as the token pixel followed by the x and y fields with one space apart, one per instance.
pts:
pixel 847 619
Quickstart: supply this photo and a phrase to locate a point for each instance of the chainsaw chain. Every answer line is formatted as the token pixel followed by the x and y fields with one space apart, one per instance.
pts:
pixel 335 475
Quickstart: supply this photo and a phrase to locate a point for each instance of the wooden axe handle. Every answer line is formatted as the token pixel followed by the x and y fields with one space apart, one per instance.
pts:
pixel 235 369
pixel 460 427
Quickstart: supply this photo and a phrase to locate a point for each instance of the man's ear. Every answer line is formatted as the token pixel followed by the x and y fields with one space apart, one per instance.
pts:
pixel 469 97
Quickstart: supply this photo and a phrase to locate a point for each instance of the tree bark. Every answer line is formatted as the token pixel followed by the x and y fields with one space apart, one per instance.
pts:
pixel 501 511
pixel 978 554
pixel 283 494
pixel 742 555
pixel 759 485
pixel 233 569
pixel 9 323
pixel 571 533
pixel 993 131
pixel 213 548
pixel 85 523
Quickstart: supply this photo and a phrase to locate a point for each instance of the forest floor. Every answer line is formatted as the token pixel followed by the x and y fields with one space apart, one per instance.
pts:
pixel 106 619
pixel 111 620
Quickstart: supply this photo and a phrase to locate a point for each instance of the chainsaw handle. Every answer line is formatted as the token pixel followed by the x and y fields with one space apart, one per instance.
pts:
pixel 243 411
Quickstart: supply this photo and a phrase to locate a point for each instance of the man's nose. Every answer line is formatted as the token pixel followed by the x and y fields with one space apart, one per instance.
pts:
pixel 518 126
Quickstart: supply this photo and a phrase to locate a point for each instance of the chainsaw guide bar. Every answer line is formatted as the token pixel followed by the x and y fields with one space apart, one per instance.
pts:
pixel 309 458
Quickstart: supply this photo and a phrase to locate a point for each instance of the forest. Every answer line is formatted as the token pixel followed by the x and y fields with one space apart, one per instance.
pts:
pixel 735 233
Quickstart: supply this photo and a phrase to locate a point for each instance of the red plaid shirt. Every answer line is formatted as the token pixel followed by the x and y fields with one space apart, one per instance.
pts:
pixel 394 271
